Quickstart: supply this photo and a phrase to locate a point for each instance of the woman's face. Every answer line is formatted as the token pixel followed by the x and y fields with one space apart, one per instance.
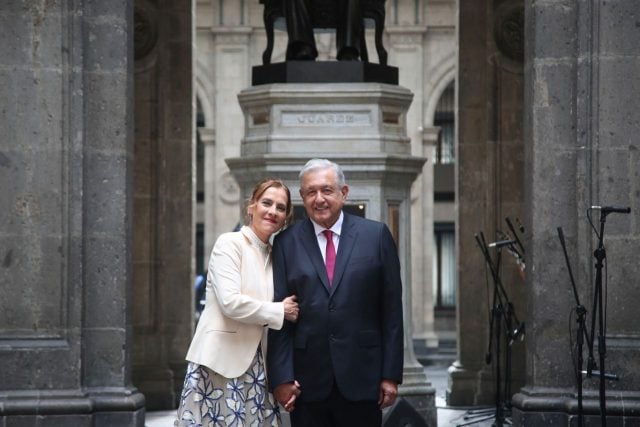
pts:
pixel 268 213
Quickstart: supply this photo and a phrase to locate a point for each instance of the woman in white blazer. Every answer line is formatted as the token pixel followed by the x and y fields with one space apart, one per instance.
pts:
pixel 226 382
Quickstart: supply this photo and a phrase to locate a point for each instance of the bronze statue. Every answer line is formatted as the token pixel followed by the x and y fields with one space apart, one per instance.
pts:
pixel 349 29
pixel 346 16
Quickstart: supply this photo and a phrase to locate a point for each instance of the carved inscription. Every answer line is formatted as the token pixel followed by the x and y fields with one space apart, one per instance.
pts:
pixel 325 118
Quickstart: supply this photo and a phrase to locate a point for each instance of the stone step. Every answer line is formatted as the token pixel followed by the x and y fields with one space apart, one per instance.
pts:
pixel 444 354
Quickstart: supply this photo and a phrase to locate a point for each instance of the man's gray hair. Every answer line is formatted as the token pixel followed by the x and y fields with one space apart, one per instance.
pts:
pixel 320 164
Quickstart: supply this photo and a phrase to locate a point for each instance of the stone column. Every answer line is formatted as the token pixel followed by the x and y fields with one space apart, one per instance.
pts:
pixel 232 68
pixel 361 126
pixel 489 172
pixel 208 138
pixel 581 129
pixel 163 234
pixel 66 90
pixel 423 314
pixel 406 48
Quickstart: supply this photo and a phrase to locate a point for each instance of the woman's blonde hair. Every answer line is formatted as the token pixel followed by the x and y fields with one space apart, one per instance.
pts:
pixel 263 186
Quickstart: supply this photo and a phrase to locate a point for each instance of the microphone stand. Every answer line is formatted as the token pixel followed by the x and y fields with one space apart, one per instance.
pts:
pixel 515 236
pixel 599 254
pixel 581 333
pixel 501 310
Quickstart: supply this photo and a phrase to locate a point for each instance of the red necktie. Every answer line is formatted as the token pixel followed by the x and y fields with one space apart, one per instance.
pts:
pixel 330 258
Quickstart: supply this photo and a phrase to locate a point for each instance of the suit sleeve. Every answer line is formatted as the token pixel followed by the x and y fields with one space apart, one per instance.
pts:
pixel 391 308
pixel 280 347
pixel 224 279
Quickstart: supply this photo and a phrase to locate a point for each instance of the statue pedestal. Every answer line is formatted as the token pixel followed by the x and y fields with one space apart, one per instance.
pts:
pixel 362 127
pixel 324 72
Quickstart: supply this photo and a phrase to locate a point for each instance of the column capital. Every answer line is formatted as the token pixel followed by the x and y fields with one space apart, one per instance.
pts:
pixel 430 135
pixel 207 136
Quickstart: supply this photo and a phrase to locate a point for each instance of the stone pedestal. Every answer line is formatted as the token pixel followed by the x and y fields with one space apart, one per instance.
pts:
pixel 362 127
pixel 324 72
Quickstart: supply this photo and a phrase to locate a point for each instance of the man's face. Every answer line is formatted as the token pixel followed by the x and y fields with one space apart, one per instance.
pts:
pixel 322 197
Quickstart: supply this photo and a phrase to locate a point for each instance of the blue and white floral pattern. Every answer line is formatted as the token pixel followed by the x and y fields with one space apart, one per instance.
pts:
pixel 208 399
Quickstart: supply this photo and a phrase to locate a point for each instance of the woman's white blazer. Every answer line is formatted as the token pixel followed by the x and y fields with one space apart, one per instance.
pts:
pixel 238 306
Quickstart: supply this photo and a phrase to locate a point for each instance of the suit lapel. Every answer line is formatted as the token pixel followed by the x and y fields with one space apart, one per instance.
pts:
pixel 310 243
pixel 348 237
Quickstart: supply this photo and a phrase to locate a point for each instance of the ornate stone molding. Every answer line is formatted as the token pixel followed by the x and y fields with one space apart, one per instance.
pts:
pixel 508 30
pixel 232 35
pixel 229 189
pixel 430 135
pixel 145 31
pixel 406 34
pixel 207 136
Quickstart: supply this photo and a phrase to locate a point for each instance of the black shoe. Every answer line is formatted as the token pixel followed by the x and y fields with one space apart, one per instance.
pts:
pixel 348 54
pixel 301 52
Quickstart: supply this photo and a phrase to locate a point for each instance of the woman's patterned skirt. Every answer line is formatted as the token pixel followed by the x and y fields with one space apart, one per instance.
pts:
pixel 209 399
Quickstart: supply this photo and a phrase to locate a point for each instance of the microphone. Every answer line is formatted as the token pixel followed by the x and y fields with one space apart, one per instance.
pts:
pixel 501 243
pixel 518 333
pixel 609 209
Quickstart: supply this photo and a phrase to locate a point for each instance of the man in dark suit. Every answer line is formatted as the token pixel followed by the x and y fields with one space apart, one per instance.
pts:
pixel 341 363
pixel 349 31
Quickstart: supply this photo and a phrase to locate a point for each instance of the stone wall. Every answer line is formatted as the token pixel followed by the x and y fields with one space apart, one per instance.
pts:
pixel 66 157
pixel 582 149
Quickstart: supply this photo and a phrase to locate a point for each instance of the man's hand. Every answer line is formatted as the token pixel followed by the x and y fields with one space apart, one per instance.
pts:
pixel 286 395
pixel 388 393
pixel 291 308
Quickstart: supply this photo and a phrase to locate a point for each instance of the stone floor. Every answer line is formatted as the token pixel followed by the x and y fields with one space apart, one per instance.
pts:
pixel 437 375
pixel 451 417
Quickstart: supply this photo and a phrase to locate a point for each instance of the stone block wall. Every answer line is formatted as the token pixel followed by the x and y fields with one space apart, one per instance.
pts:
pixel 66 170
pixel 581 126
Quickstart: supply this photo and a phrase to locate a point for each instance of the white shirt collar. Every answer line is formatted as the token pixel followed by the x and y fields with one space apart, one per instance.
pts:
pixel 336 227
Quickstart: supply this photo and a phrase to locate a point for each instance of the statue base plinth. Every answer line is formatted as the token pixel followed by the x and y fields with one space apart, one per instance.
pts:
pixel 324 72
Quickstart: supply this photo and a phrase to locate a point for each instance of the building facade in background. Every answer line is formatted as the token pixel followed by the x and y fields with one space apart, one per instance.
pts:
pixel 106 191
pixel 420 40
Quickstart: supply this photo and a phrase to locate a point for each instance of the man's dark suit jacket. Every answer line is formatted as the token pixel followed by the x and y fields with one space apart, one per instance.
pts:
pixel 351 331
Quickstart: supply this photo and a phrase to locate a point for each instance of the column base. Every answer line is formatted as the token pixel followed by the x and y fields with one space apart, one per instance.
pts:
pixel 98 407
pixel 158 385
pixel 470 387
pixel 486 386
pixel 426 340
pixel 418 392
pixel 407 412
pixel 551 406
pixel 463 386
